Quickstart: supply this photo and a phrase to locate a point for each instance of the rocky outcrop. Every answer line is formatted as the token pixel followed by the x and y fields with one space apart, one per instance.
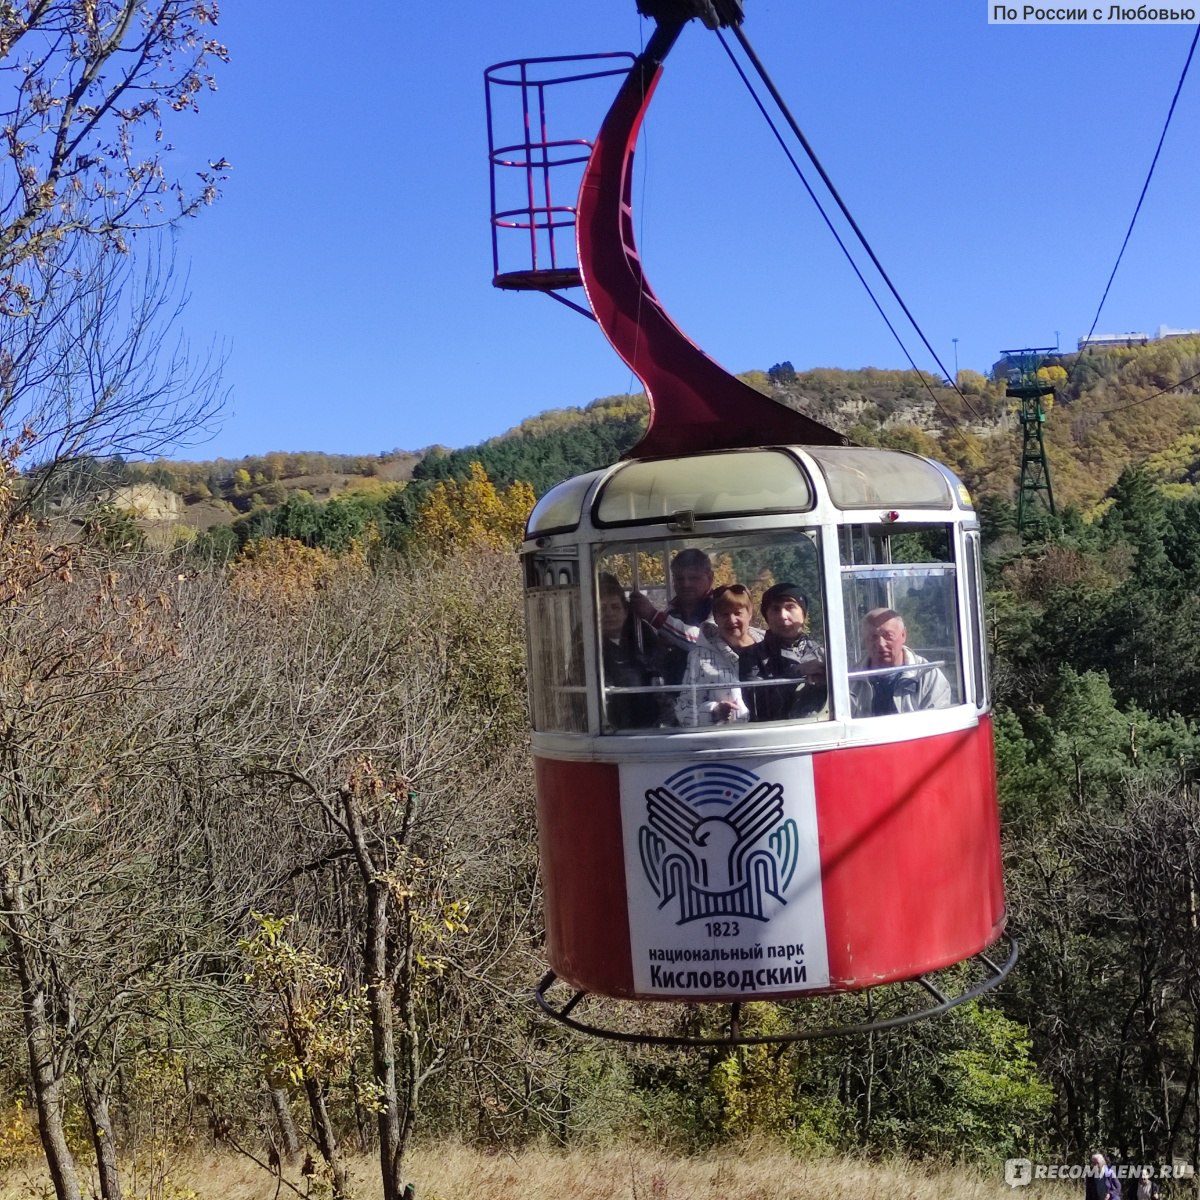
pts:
pixel 146 502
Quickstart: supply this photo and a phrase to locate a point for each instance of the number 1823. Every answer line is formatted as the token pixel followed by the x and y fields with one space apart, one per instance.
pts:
pixel 722 928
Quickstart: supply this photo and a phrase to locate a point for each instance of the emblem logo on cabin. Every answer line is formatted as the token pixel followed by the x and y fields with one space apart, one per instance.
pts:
pixel 716 844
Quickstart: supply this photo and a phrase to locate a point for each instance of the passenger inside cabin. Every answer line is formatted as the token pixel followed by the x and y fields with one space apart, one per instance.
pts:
pixel 787 653
pixel 909 685
pixel 711 693
pixel 678 625
pixel 628 645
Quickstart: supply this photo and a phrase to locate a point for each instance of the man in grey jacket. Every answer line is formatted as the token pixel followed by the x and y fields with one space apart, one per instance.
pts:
pixel 885 637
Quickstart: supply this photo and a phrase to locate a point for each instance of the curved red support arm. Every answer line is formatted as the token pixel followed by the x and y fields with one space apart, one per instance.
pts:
pixel 695 404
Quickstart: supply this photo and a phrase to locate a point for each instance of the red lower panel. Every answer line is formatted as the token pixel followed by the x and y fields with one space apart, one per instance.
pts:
pixel 583 874
pixel 910 861
pixel 910 855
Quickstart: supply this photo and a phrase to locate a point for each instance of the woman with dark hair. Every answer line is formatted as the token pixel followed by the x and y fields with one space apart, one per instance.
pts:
pixel 710 693
pixel 626 644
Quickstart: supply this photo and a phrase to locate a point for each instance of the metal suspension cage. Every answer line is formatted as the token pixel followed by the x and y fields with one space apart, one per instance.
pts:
pixel 535 176
pixel 915 1000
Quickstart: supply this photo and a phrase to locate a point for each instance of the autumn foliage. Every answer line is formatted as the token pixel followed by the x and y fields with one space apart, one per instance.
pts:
pixel 473 513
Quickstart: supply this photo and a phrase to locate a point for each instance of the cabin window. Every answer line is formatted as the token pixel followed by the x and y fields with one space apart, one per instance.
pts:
pixel 683 641
pixel 900 594
pixel 978 635
pixel 554 624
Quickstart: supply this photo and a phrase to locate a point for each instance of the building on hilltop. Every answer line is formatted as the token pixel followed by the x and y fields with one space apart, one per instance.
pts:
pixel 1165 333
pixel 1113 339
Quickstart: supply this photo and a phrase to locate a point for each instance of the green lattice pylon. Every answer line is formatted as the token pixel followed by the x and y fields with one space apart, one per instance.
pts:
pixel 1024 385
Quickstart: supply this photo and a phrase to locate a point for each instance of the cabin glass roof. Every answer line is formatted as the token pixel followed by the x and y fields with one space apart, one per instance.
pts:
pixel 561 507
pixel 861 477
pixel 707 485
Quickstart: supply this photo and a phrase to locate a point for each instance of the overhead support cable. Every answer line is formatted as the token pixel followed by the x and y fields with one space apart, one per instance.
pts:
pixel 1103 412
pixel 1145 186
pixel 737 66
pixel 781 104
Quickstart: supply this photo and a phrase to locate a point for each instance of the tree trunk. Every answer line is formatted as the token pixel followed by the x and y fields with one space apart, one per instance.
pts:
pixel 327 1143
pixel 412 1041
pixel 46 1080
pixel 314 1092
pixel 95 1101
pixel 287 1127
pixel 379 1000
pixel 383 1039
pixel 1196 1112
pixel 59 1158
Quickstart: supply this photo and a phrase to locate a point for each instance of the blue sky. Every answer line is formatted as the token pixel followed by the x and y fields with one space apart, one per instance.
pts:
pixel 346 268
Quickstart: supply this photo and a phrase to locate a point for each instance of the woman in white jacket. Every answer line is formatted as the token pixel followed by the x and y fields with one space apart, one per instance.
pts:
pixel 711 692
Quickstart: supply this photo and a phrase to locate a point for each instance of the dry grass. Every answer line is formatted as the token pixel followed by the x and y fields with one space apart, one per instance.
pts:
pixel 452 1172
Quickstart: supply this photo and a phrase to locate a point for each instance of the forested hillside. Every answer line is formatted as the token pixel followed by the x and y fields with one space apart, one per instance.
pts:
pixel 546 449
pixel 1112 409
pixel 269 882
pixel 296 785
pixel 288 758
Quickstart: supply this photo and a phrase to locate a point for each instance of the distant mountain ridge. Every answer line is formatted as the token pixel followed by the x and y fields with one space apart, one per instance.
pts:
pixel 1113 407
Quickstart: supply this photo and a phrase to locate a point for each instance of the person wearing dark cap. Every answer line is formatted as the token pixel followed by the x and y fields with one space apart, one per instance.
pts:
pixel 787 654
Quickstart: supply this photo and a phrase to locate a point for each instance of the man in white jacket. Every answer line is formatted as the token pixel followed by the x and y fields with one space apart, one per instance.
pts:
pixel 885 638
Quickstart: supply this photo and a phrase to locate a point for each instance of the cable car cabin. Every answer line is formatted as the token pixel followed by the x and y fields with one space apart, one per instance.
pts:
pixel 762 734
pixel 812 812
